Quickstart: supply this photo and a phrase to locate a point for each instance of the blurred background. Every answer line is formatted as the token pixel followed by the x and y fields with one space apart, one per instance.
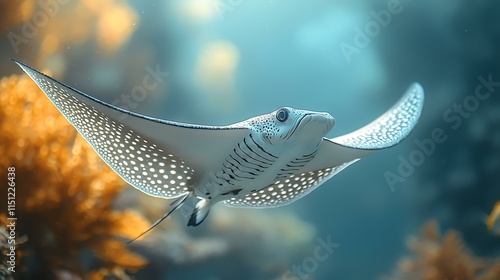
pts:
pixel 409 212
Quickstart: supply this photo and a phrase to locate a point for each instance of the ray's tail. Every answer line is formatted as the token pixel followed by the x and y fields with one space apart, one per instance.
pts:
pixel 192 207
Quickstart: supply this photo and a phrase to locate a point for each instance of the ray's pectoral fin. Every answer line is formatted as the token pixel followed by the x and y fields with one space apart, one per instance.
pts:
pixel 156 156
pixel 386 131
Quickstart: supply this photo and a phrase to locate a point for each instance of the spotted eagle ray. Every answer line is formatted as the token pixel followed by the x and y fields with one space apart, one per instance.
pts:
pixel 266 161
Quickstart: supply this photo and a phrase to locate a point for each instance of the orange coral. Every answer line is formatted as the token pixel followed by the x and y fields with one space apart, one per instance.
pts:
pixel 447 258
pixel 64 192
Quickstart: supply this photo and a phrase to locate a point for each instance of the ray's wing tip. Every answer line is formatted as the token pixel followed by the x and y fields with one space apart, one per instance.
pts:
pixel 416 91
pixel 23 66
pixel 363 138
pixel 417 95
pixel 413 99
pixel 20 64
pixel 417 88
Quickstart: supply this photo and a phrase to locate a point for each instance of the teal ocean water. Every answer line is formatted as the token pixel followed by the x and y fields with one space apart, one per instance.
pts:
pixel 423 209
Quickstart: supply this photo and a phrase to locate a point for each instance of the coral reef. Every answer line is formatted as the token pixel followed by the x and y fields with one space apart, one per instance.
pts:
pixel 438 258
pixel 64 192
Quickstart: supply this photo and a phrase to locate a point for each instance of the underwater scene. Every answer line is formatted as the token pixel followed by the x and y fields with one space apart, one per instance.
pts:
pixel 250 104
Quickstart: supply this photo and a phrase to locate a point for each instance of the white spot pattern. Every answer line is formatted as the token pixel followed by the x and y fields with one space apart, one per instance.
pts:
pixel 287 190
pixel 139 161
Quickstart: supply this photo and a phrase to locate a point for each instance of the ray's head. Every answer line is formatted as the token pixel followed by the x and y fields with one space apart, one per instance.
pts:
pixel 291 125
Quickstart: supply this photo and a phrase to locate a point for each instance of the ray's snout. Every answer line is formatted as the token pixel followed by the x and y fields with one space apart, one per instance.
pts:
pixel 330 121
pixel 317 123
pixel 322 118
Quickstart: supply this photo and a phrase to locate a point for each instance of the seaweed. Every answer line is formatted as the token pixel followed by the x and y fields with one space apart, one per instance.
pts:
pixel 64 194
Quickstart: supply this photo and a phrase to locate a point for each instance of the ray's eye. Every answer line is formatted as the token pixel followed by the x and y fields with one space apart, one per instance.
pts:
pixel 282 115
